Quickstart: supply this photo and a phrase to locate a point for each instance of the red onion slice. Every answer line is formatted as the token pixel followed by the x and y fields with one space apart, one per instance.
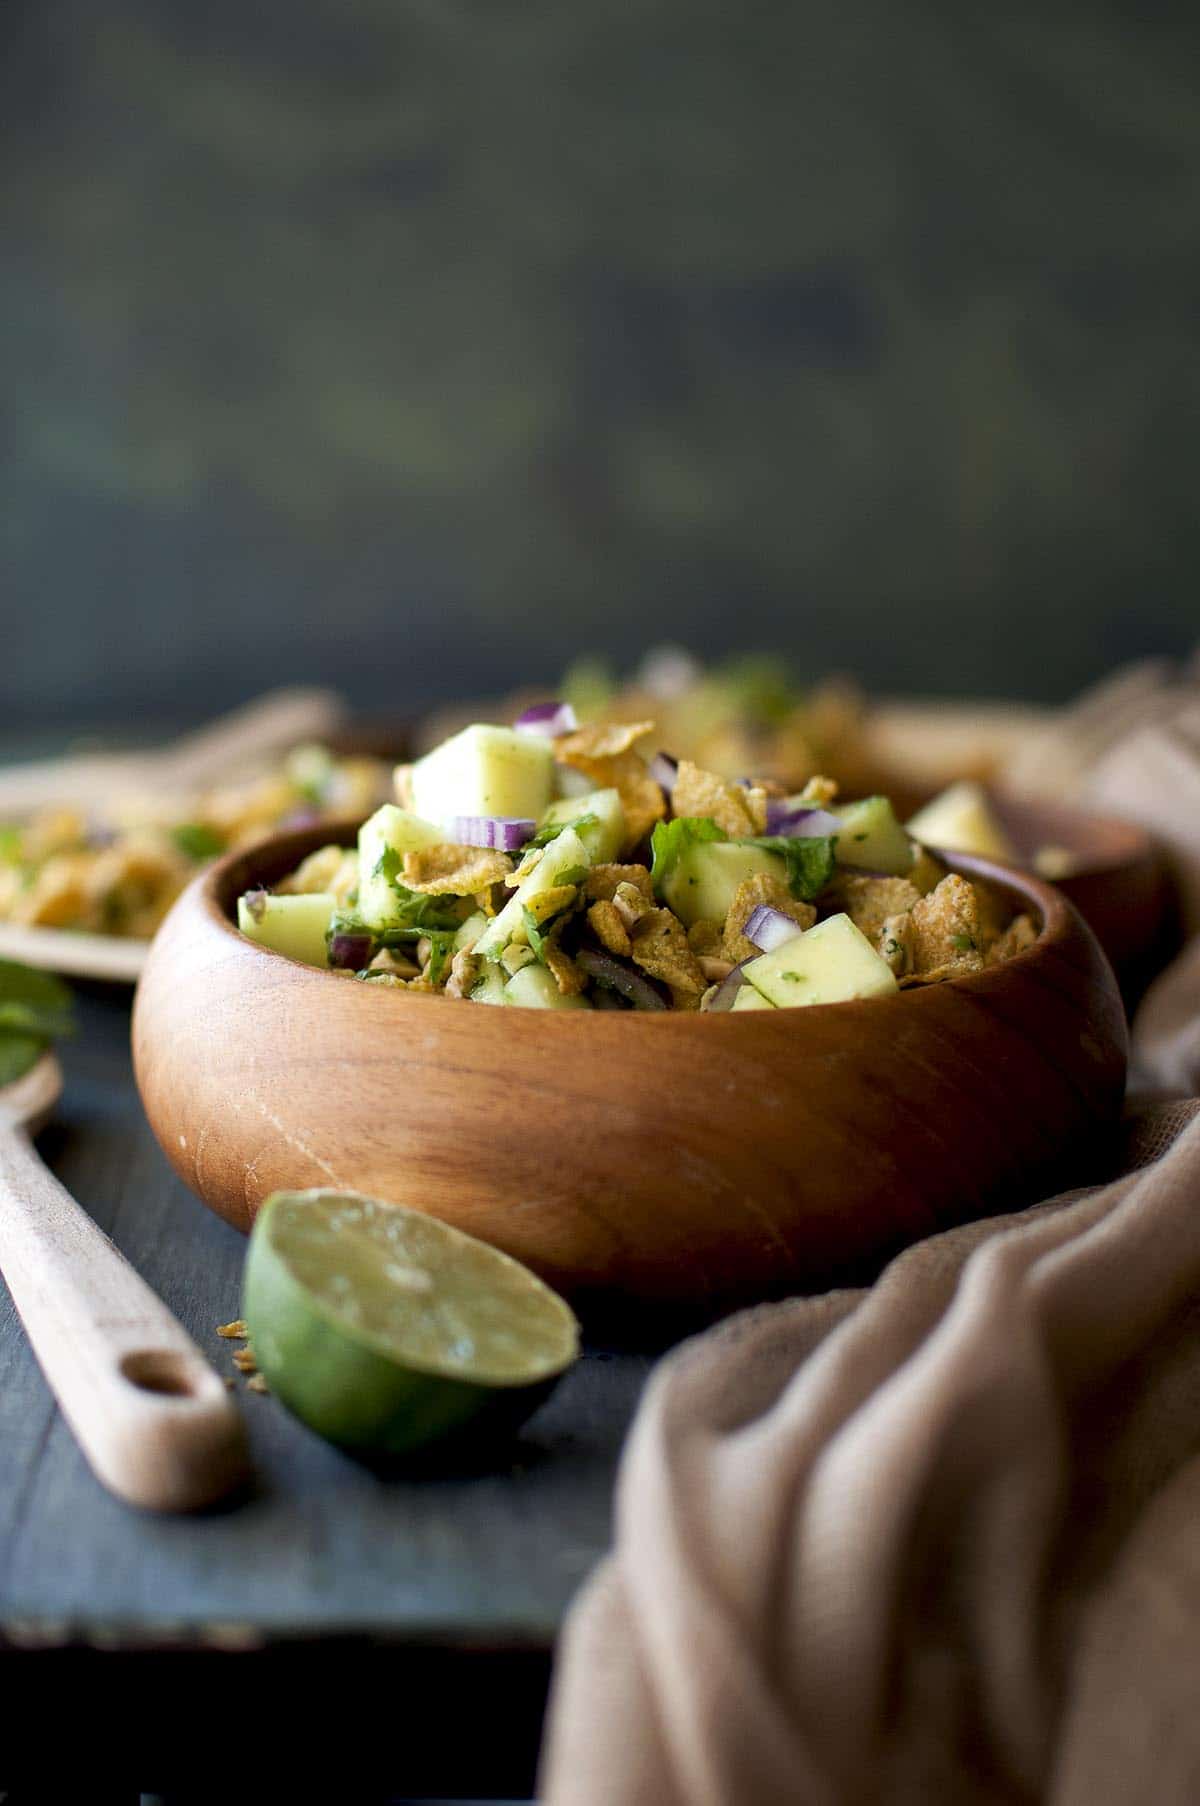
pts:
pixel 503 833
pixel 768 928
pixel 727 990
pixel 256 902
pixel 796 822
pixel 664 770
pixel 351 951
pixel 549 718
pixel 606 969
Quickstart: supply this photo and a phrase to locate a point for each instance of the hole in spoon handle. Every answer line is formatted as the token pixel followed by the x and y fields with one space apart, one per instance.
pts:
pixel 162 1370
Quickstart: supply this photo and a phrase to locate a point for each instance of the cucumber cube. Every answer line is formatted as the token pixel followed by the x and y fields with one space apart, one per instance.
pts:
pixel 873 839
pixel 491 984
pixel 601 837
pixel 469 931
pixel 701 887
pixel 485 771
pixel 533 988
pixel 747 998
pixel 400 832
pixel 296 926
pixel 564 862
pixel 963 820
pixel 832 963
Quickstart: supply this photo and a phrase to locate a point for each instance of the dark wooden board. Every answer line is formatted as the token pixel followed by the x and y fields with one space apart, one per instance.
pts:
pixel 325 1575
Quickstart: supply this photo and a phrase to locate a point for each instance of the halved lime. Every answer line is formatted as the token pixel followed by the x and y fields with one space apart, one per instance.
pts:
pixel 385 1329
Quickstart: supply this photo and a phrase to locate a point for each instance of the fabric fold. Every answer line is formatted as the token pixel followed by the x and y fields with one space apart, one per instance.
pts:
pixel 928 1541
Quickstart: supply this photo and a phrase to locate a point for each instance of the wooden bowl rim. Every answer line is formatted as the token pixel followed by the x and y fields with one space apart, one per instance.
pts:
pixel 217 889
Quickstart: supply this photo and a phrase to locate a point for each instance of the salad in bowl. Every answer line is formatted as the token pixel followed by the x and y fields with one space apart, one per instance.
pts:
pixel 555 866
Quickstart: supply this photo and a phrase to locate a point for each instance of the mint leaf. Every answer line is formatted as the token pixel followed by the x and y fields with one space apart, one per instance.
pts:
pixel 17 1054
pixel 35 1009
pixel 810 862
pixel 29 998
pixel 671 840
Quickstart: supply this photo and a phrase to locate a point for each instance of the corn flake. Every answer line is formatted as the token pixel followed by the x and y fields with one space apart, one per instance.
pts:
pixel 600 740
pixel 604 919
pixel 548 904
pixel 1020 933
pixel 602 881
pixel 659 946
pixel 452 870
pixel 618 768
pixel 705 938
pixel 869 902
pixel 763 887
pixel 946 930
pixel 567 976
pixel 737 812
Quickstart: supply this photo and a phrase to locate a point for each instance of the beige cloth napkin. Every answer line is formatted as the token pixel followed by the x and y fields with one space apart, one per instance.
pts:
pixel 938 1541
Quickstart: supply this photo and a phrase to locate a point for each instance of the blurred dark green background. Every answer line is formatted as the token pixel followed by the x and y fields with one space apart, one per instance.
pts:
pixel 415 344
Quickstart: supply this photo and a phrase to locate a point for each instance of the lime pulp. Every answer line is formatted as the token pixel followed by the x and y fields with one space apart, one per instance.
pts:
pixel 385 1329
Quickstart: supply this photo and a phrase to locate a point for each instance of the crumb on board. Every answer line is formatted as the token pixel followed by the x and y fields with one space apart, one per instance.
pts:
pixel 235 1331
pixel 256 1383
pixel 244 1361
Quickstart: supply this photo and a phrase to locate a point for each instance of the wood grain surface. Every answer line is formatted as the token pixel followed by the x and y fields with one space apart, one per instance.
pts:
pixel 632 1159
pixel 323 1577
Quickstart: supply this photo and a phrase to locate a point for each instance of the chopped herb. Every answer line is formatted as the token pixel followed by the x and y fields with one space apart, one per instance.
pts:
pixel 196 840
pixel 441 944
pixel 10 846
pixel 964 943
pixel 415 910
pixel 671 840
pixel 553 829
pixel 809 862
pixel 537 940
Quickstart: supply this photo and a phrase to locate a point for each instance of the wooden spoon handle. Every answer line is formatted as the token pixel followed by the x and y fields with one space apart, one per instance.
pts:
pixel 269 725
pixel 154 1420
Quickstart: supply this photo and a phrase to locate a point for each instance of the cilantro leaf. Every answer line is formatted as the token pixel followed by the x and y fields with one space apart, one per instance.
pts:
pixel 809 862
pixel 671 840
pixel 534 935
pixel 441 947
pixel 553 829
pixel 415 910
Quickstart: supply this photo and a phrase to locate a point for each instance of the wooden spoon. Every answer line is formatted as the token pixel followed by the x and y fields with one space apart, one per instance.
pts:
pixel 153 1419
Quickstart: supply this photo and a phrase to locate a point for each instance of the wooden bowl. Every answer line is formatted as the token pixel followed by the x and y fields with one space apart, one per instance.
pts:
pixel 676 1159
pixel 1118 880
